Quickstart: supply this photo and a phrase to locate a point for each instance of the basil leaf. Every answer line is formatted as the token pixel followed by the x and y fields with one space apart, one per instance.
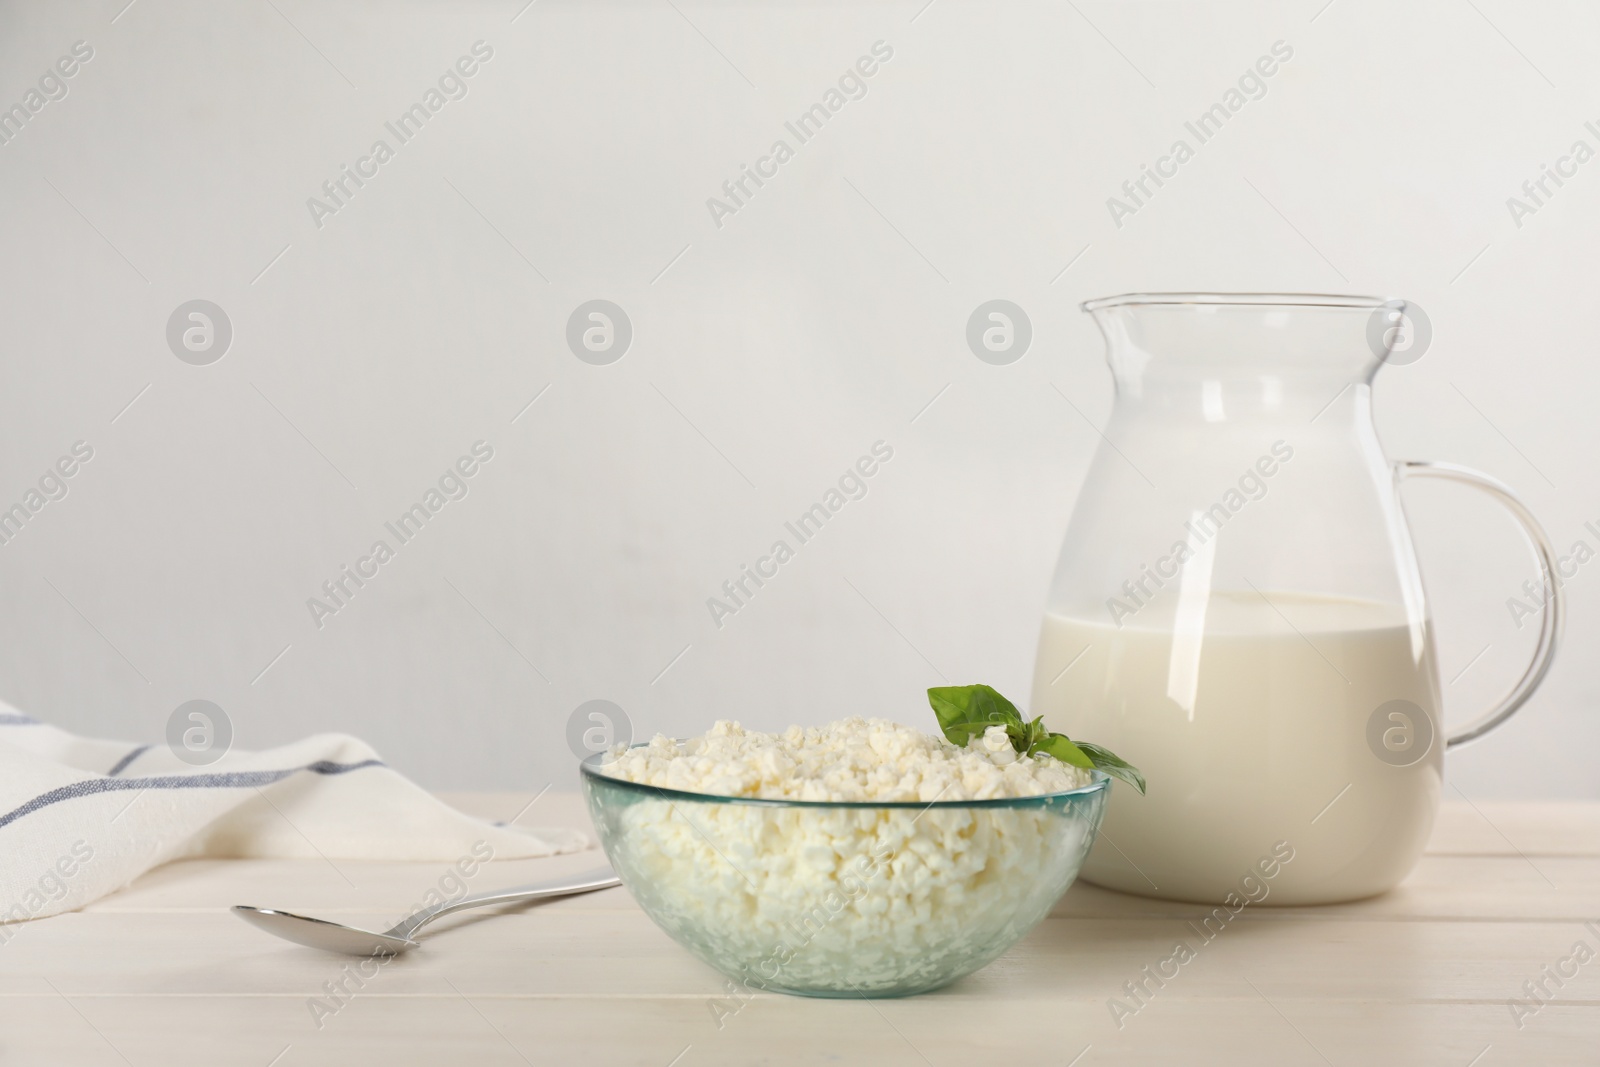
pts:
pixel 992 707
pixel 1062 748
pixel 965 711
pixel 1034 735
pixel 1114 765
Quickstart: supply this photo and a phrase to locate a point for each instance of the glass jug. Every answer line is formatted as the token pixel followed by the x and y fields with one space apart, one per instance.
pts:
pixel 1238 611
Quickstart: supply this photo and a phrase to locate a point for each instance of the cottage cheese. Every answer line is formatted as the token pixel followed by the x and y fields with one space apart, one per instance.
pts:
pixel 852 759
pixel 845 900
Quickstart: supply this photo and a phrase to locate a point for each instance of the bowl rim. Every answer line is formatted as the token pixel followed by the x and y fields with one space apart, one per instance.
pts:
pixel 1221 299
pixel 590 765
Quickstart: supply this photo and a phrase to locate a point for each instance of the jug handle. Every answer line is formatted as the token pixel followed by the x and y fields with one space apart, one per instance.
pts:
pixel 1553 613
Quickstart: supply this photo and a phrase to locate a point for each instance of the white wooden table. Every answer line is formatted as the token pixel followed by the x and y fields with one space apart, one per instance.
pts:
pixel 161 974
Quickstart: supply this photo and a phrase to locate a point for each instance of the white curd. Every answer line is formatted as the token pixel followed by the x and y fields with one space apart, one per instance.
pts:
pixel 868 899
pixel 852 760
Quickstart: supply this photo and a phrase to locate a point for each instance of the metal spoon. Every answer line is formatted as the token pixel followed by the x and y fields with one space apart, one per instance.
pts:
pixel 336 937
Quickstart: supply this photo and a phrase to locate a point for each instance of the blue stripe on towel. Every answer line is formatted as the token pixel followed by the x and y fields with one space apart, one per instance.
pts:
pixel 17 720
pixel 220 780
pixel 122 764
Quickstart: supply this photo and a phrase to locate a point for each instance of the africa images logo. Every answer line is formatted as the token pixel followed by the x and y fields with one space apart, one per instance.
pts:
pixel 52 86
pixel 453 484
pixel 1252 85
pixel 452 85
pixel 852 85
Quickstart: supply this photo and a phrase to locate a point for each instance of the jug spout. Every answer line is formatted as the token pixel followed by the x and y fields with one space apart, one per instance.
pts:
pixel 1257 346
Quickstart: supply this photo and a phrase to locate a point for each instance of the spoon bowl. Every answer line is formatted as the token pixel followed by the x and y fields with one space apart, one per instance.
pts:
pixel 322 934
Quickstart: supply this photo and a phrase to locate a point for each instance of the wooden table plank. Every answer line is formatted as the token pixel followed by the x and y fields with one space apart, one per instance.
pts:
pixel 1500 828
pixel 161 974
pixel 489 1031
pixel 551 951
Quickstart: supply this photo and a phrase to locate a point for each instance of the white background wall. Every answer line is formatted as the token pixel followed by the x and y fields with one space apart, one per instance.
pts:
pixel 767 356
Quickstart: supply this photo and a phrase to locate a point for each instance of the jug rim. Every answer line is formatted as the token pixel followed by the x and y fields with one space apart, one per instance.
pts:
pixel 1336 300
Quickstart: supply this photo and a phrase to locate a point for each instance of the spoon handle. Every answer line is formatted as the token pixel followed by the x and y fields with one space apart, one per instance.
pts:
pixel 588 881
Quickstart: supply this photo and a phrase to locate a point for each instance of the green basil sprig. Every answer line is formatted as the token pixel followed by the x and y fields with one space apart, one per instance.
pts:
pixel 966 711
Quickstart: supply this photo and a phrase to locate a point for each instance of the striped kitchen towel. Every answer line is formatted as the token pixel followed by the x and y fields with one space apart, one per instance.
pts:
pixel 81 818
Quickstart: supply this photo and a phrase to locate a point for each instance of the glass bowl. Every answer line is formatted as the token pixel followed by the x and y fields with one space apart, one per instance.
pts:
pixel 843 899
